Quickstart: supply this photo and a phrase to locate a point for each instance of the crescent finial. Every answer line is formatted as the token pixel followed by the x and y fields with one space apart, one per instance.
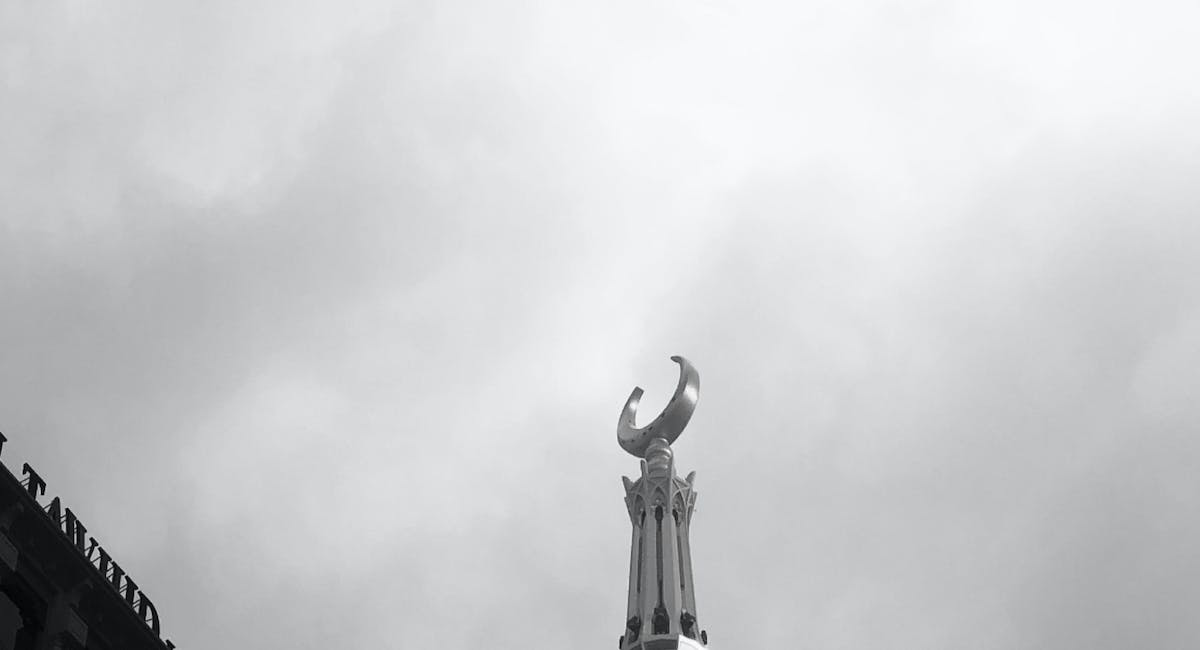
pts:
pixel 670 423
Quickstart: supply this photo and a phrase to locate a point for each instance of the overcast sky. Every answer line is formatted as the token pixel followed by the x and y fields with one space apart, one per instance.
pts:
pixel 321 315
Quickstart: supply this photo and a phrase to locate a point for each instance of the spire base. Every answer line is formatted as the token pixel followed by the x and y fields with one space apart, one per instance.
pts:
pixel 665 643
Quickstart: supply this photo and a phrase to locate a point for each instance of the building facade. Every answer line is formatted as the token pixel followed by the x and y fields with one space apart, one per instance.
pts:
pixel 59 588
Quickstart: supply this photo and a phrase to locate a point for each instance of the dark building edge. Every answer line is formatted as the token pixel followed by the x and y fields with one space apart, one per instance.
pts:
pixel 51 596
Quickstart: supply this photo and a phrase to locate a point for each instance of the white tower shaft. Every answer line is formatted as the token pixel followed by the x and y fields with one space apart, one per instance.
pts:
pixel 661 611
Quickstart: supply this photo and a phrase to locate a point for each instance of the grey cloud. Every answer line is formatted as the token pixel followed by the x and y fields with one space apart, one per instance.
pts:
pixel 324 318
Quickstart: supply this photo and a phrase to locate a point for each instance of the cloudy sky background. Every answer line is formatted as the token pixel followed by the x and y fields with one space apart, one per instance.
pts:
pixel 321 314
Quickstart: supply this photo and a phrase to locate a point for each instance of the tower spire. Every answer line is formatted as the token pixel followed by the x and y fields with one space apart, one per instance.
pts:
pixel 661 605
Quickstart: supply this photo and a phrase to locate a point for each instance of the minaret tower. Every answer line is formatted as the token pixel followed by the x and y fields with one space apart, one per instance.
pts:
pixel 661 610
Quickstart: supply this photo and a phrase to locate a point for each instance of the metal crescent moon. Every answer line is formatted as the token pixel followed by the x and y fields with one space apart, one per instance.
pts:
pixel 670 423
